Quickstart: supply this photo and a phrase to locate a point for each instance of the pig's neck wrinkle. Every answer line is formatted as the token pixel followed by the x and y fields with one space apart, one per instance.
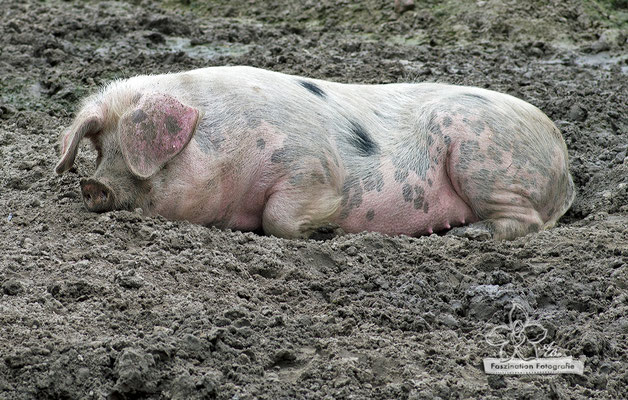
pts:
pixel 211 192
pixel 243 196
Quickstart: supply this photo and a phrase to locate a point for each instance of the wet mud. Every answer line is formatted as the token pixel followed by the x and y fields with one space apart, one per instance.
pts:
pixel 121 306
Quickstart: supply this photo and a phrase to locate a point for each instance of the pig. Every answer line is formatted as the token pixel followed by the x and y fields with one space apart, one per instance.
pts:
pixel 249 149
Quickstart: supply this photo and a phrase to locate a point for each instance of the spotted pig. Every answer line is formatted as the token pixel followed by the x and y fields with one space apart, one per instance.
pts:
pixel 250 149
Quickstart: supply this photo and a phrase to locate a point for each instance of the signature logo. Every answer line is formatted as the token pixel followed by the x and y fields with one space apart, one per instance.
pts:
pixel 519 338
pixel 519 343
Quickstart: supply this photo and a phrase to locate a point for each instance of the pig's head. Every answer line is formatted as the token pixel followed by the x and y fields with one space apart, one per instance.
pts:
pixel 134 142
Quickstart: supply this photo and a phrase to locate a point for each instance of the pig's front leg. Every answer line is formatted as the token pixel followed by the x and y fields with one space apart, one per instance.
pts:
pixel 298 213
pixel 327 232
pixel 304 204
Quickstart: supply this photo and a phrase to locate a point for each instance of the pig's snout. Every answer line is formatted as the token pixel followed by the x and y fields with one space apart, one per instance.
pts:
pixel 97 196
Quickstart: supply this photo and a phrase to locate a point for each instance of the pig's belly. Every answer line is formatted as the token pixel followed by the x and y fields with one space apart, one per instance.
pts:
pixel 412 208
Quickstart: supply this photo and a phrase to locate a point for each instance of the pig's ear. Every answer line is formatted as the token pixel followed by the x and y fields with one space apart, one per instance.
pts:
pixel 88 123
pixel 157 130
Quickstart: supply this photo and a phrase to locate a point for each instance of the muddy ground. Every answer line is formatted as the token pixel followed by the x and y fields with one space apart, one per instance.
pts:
pixel 121 306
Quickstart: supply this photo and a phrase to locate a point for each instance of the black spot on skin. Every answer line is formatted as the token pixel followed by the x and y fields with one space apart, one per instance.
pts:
pixel 213 138
pixel 430 140
pixel 426 207
pixel 468 151
pixel 418 200
pixel 348 202
pixel 361 140
pixel 281 155
pixel 447 140
pixel 429 181
pixel 252 119
pixel 434 127
pixel 149 131
pixel 401 175
pixel 356 199
pixel 496 155
pixel 370 215
pixel 447 121
pixel 407 192
pixel 313 88
pixel 436 130
pixel 325 165
pixel 318 177
pixel 138 116
pixel 477 127
pixel 349 184
pixel 374 181
pixel 172 125
pixel 261 143
pixel 296 179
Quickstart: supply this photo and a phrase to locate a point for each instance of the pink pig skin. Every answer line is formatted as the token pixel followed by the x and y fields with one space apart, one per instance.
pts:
pixel 243 148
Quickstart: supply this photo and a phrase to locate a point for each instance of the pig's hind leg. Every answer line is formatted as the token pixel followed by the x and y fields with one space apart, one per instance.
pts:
pixel 505 211
pixel 511 198
pixel 496 228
